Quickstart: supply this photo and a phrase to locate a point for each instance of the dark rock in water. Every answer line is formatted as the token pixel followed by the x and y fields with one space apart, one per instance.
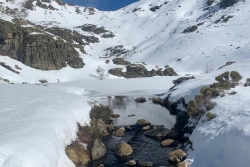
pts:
pixel 131 163
pixel 128 127
pixel 146 128
pixel 120 61
pixel 146 164
pixel 227 3
pixel 176 156
pixel 123 149
pixel 132 115
pixel 98 149
pixel 115 115
pixel 190 29
pixel 157 133
pixel 143 122
pixel 38 50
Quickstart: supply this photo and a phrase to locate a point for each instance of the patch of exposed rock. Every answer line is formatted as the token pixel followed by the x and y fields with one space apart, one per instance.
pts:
pixel 190 29
pixel 139 71
pixel 115 51
pixel 120 61
pixel 97 30
pixel 227 64
pixel 227 3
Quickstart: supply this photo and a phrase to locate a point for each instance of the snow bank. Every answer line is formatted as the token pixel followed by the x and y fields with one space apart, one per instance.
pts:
pixel 36 124
pixel 224 141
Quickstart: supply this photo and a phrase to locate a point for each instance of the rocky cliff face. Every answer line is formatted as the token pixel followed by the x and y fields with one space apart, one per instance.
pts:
pixel 34 48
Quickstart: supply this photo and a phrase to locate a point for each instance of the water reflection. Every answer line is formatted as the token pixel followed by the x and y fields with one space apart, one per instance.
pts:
pixel 125 105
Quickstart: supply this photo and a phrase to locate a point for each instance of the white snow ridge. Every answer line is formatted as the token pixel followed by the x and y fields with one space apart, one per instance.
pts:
pixel 37 121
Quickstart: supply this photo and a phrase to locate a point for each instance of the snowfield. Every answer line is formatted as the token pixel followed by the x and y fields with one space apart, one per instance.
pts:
pixel 37 122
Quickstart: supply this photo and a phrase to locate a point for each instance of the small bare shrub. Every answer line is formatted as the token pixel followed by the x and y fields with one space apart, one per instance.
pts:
pixel 101 73
pixel 208 69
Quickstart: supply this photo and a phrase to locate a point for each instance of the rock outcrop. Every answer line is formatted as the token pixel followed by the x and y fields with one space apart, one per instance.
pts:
pixel 227 3
pixel 139 71
pixel 115 51
pixel 97 30
pixel 120 61
pixel 35 49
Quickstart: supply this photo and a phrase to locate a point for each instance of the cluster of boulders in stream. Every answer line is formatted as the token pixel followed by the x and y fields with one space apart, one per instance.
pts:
pixel 101 125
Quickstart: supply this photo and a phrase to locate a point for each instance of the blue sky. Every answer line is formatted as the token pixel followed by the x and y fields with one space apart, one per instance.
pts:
pixel 102 4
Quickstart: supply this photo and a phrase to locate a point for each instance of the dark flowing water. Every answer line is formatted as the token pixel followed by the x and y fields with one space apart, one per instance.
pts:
pixel 145 149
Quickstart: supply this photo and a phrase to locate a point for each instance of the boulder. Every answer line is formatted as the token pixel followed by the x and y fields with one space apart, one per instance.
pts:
pixel 158 133
pixel 123 149
pixel 176 156
pixel 168 143
pixel 115 115
pixel 119 132
pixel 98 149
pixel 78 154
pixel 131 163
pixel 142 122
pixel 146 128
pixel 127 127
pixel 146 164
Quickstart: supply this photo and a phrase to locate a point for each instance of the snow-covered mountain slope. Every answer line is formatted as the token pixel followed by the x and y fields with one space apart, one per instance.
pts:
pixel 154 32
pixel 157 37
